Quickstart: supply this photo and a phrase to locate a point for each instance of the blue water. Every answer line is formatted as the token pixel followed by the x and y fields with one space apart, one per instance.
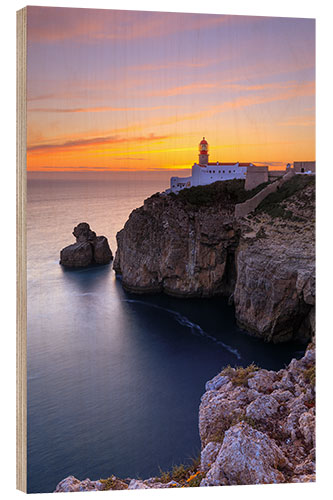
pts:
pixel 115 379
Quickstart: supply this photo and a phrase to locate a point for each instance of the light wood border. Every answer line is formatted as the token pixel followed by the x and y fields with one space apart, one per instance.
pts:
pixel 21 251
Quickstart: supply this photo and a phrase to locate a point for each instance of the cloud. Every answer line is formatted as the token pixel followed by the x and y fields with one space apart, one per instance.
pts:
pixel 98 109
pixel 277 94
pixel 130 158
pixel 81 88
pixel 95 141
pixel 298 121
pixel 271 163
pixel 52 24
pixel 264 86
pixel 200 87
pixel 42 97
pixel 192 88
pixel 80 168
pixel 189 63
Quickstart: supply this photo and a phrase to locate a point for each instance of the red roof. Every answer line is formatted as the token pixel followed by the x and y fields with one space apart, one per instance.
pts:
pixel 230 163
pixel 215 164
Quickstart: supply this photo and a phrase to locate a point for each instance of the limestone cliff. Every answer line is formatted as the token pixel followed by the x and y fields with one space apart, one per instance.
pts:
pixel 274 295
pixel 192 245
pixel 256 427
pixel 169 246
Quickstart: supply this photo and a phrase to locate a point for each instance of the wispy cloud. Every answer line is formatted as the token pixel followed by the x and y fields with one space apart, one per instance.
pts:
pixel 201 87
pixel 42 97
pixel 298 121
pixel 99 109
pixel 52 24
pixel 181 64
pixel 96 141
pixel 270 163
pixel 192 88
pixel 128 158
pixel 277 94
pixel 263 86
pixel 72 88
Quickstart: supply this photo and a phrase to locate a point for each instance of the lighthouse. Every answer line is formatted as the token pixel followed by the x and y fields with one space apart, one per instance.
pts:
pixel 206 172
pixel 203 152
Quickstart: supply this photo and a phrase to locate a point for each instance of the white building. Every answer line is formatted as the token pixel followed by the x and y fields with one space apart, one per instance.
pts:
pixel 205 172
pixel 304 167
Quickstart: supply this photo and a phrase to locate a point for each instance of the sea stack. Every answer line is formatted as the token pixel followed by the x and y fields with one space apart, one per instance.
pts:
pixel 89 249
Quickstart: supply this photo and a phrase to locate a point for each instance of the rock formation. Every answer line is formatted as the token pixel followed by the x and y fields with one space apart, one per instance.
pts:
pixel 89 249
pixel 274 295
pixel 167 246
pixel 256 427
pixel 70 484
pixel 265 262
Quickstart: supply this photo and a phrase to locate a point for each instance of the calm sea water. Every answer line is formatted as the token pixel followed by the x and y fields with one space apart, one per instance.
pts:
pixel 115 379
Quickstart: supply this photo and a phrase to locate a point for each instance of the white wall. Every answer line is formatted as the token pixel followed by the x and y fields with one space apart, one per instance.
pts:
pixel 202 176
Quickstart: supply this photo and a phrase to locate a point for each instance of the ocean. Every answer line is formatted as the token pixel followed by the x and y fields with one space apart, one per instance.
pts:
pixel 115 379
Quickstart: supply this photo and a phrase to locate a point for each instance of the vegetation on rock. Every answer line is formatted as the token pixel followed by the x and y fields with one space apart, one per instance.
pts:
pixel 218 193
pixel 273 204
pixel 184 475
pixel 310 375
pixel 240 375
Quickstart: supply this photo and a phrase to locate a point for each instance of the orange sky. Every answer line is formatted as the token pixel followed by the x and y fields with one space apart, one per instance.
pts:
pixel 125 90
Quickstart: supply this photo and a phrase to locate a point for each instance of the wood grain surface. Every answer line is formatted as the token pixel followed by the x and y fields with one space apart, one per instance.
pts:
pixel 21 255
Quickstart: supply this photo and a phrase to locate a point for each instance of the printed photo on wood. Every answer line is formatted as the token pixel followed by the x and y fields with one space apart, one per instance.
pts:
pixel 166 250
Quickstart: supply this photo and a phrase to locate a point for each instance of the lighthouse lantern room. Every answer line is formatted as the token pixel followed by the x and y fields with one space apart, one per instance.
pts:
pixel 203 152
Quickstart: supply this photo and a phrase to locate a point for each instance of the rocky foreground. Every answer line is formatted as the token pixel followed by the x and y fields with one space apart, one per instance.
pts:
pixel 256 427
pixel 193 245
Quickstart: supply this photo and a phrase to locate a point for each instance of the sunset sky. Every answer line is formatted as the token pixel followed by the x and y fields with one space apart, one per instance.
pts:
pixel 125 90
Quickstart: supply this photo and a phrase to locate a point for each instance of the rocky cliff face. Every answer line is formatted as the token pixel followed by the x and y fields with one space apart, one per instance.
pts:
pixel 274 295
pixel 171 247
pixel 264 262
pixel 256 427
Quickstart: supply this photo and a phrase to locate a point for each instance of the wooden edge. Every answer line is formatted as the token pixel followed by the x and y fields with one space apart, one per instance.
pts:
pixel 21 252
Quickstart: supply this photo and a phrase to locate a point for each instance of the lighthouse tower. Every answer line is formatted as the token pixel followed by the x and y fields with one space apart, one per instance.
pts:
pixel 203 152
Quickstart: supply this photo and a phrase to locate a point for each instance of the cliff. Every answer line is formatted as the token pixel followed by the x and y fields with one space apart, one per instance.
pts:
pixel 256 427
pixel 191 244
pixel 169 246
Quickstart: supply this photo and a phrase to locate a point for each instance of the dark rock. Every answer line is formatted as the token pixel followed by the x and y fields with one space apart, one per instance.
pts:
pixel 181 250
pixel 102 252
pixel 82 232
pixel 89 249
pixel 77 255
